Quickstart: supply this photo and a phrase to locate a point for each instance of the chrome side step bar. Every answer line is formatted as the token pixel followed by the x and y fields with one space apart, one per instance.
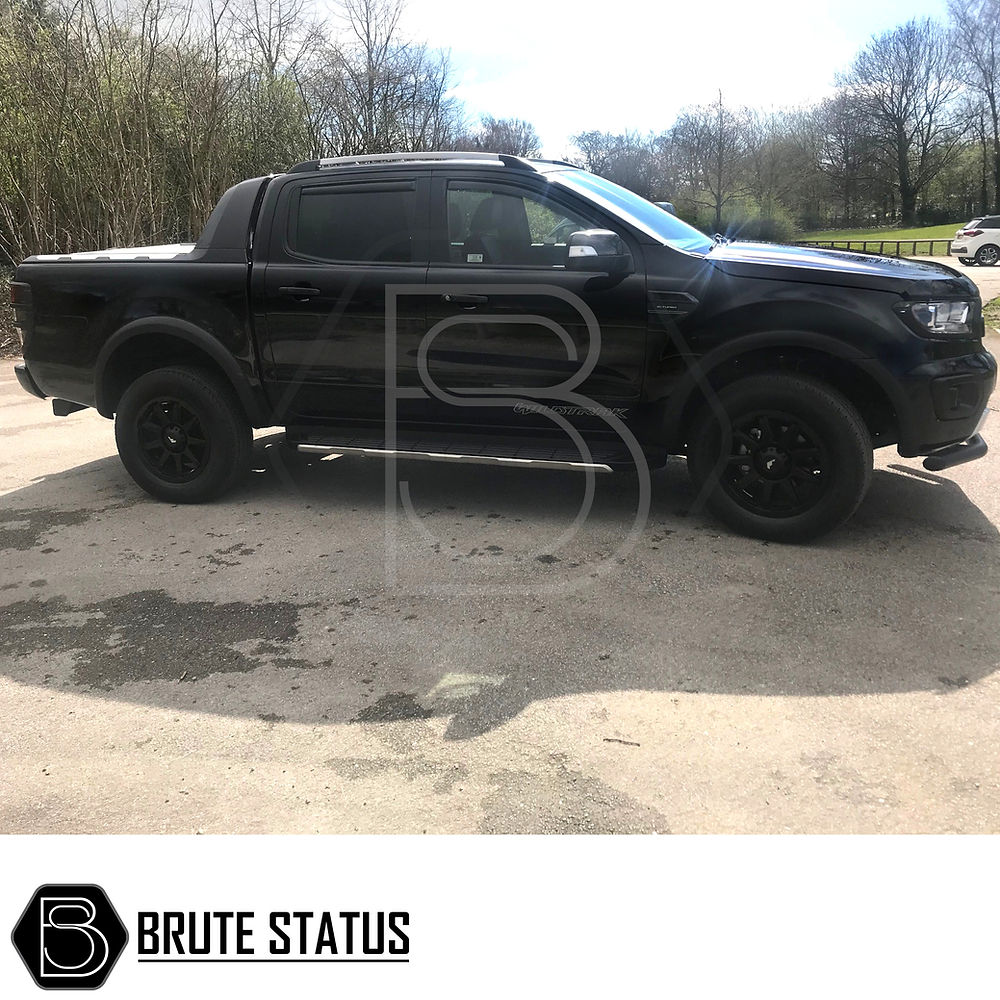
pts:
pixel 437 456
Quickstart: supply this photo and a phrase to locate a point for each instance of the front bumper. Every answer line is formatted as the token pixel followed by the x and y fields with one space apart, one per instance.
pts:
pixel 27 382
pixel 941 403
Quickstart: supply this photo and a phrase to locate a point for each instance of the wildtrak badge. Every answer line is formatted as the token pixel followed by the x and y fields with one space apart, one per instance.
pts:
pixel 572 411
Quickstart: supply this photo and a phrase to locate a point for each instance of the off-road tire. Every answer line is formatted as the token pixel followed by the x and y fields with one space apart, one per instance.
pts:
pixel 797 434
pixel 183 435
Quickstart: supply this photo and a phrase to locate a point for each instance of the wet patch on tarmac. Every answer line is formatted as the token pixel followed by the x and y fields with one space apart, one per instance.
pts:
pixel 23 529
pixel 445 776
pixel 394 707
pixel 227 556
pixel 148 635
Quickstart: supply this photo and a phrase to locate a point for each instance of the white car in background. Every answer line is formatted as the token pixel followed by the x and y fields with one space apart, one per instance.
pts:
pixel 978 242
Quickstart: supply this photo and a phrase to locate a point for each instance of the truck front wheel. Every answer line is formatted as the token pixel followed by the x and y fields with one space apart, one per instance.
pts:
pixel 182 434
pixel 780 457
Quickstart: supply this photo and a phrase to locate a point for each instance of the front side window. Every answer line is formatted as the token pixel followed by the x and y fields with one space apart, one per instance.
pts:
pixel 499 225
pixel 355 223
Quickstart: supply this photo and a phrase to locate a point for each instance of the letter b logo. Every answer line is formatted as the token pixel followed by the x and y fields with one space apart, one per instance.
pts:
pixel 69 937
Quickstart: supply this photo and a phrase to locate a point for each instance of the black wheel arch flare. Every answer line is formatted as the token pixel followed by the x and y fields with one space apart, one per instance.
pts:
pixel 244 384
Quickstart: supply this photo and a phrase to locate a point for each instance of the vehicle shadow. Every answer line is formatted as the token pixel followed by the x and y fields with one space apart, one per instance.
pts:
pixel 298 599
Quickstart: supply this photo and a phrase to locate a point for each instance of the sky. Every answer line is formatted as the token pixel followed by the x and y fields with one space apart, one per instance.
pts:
pixel 574 65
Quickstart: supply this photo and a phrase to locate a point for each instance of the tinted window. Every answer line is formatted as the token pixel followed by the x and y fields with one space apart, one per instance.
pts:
pixel 993 222
pixel 355 223
pixel 490 224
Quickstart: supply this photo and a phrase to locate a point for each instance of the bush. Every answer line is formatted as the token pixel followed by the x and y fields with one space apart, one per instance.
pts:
pixel 927 216
pixel 10 338
pixel 773 229
pixel 745 221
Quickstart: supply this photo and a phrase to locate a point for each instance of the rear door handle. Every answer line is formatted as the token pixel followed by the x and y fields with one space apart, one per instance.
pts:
pixel 300 292
pixel 469 301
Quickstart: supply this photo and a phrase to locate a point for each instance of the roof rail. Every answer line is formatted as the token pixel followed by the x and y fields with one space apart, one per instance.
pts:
pixel 555 163
pixel 328 162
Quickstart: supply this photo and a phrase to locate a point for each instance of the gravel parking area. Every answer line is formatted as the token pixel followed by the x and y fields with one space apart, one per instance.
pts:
pixel 292 660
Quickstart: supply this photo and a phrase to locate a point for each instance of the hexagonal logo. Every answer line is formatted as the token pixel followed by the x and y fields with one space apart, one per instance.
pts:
pixel 69 937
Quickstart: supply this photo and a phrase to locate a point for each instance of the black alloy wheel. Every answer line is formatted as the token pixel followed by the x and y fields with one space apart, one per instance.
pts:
pixel 780 457
pixel 778 464
pixel 182 434
pixel 172 441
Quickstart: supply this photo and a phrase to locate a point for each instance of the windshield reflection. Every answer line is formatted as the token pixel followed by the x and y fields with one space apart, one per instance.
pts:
pixel 642 214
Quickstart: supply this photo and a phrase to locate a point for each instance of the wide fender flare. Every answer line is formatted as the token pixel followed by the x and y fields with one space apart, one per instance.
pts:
pixel 696 379
pixel 246 387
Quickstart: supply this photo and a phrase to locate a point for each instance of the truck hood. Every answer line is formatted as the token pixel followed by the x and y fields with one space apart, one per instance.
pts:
pixel 166 251
pixel 907 278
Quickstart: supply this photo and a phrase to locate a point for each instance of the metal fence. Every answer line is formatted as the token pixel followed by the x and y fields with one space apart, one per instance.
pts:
pixel 894 248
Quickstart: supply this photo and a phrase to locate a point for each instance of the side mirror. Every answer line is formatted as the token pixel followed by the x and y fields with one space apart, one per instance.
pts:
pixel 598 250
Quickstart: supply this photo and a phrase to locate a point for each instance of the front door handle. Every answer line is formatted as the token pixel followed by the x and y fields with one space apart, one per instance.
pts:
pixel 300 292
pixel 467 301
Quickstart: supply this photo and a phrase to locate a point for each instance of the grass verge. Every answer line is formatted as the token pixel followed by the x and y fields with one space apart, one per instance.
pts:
pixel 991 314
pixel 923 233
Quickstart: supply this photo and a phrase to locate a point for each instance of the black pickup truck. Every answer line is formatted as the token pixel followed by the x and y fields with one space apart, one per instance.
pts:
pixel 481 307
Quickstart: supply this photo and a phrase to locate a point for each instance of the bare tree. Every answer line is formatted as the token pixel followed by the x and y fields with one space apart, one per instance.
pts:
pixel 629 158
pixel 902 82
pixel 123 122
pixel 370 90
pixel 977 33
pixel 506 135
pixel 282 32
pixel 846 150
pixel 712 144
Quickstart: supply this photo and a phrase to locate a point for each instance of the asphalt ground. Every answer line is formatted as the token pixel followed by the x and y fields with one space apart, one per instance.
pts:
pixel 293 659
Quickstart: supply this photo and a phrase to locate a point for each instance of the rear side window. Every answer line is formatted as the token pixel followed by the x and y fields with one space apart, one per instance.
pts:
pixel 354 223
pixel 993 222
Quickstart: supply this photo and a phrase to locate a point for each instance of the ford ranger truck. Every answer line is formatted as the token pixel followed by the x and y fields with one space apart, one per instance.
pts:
pixel 490 308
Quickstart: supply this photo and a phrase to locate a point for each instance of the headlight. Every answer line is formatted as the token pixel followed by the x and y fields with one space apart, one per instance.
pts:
pixel 942 319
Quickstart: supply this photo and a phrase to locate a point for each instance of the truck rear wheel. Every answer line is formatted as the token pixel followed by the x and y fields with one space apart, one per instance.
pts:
pixel 792 460
pixel 182 434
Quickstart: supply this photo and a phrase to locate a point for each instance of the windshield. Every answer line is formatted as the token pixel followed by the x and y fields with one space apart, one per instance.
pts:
pixel 642 214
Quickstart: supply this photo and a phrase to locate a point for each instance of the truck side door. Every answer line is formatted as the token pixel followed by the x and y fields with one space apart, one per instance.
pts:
pixel 508 313
pixel 336 242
